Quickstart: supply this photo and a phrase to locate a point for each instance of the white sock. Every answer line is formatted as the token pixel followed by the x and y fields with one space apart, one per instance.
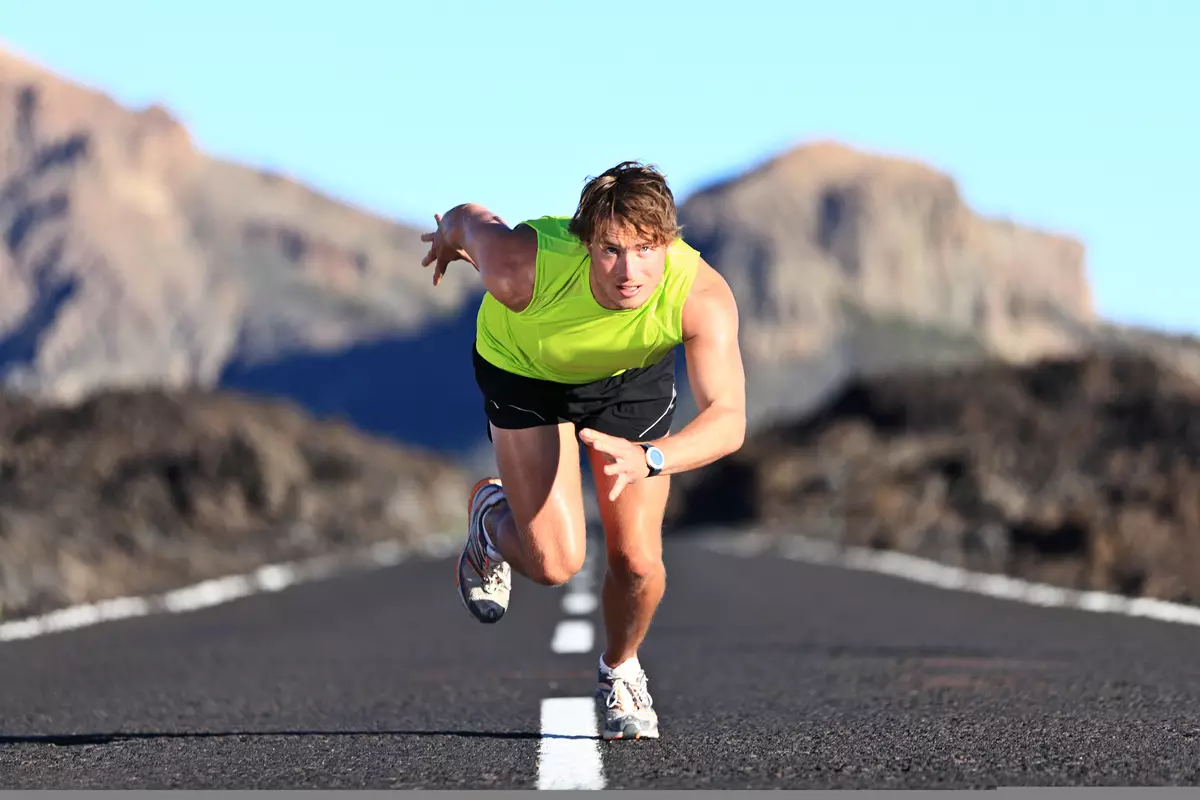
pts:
pixel 629 668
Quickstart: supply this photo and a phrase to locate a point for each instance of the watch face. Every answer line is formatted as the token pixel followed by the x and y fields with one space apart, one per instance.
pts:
pixel 655 457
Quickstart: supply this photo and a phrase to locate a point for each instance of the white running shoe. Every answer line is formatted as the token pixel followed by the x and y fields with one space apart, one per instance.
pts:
pixel 628 708
pixel 483 583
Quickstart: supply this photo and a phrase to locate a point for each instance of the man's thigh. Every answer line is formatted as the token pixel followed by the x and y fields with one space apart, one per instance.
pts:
pixel 539 461
pixel 539 467
pixel 639 406
pixel 633 522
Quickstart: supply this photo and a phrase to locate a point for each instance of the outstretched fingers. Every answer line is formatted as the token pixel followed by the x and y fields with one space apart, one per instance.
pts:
pixel 432 235
pixel 435 251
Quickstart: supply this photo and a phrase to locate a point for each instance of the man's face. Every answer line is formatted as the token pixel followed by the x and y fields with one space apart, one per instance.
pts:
pixel 626 268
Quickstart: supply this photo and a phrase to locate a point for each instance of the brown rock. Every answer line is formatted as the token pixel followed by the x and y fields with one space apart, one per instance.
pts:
pixel 1083 472
pixel 136 492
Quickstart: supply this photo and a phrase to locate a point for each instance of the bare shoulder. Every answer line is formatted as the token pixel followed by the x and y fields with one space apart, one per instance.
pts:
pixel 508 263
pixel 710 310
pixel 522 245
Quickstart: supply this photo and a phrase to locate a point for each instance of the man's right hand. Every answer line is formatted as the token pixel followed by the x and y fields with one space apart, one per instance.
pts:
pixel 504 257
pixel 442 252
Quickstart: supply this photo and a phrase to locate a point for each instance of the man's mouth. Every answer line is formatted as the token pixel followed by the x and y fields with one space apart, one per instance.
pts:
pixel 628 290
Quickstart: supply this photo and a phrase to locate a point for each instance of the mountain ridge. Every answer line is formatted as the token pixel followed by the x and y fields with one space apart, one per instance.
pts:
pixel 842 261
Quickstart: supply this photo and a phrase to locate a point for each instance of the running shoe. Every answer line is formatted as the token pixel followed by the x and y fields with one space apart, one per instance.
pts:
pixel 483 583
pixel 628 708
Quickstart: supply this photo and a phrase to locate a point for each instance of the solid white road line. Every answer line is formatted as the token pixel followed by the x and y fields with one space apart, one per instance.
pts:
pixel 268 578
pixel 573 636
pixel 945 576
pixel 569 755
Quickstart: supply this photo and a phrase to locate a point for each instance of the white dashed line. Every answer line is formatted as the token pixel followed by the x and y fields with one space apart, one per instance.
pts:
pixel 573 636
pixel 569 755
pixel 579 603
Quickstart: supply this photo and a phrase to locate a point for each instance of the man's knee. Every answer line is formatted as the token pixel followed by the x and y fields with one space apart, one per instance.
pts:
pixel 635 564
pixel 555 568
pixel 556 557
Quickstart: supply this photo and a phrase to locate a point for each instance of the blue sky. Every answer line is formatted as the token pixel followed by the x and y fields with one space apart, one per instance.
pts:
pixel 1066 114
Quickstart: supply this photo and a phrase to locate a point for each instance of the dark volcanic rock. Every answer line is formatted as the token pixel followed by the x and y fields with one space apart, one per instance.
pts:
pixel 135 492
pixel 1083 473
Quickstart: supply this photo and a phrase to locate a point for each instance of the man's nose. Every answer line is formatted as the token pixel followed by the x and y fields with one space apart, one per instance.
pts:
pixel 621 268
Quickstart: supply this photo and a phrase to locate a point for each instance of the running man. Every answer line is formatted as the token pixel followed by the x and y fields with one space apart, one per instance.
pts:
pixel 575 341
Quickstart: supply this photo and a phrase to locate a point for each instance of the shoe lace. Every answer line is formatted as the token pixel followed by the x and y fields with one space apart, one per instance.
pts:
pixel 493 574
pixel 636 690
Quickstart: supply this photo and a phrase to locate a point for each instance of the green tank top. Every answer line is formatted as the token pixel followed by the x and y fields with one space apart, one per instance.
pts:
pixel 564 334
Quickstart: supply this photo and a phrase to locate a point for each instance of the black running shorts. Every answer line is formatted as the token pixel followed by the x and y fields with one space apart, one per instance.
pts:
pixel 638 404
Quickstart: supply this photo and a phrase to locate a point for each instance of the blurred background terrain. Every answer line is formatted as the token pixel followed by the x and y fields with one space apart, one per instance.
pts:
pixel 214 360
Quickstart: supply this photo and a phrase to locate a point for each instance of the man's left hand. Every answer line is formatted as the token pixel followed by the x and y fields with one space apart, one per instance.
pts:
pixel 626 460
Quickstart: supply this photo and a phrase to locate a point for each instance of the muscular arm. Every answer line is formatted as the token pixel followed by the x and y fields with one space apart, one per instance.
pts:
pixel 505 257
pixel 714 361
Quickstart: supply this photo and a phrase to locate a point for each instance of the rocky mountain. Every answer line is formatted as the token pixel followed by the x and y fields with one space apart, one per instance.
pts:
pixel 847 262
pixel 142 491
pixel 130 257
pixel 825 225
pixel 1082 472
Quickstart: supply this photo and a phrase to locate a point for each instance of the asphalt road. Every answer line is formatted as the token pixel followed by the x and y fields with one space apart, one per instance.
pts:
pixel 766 673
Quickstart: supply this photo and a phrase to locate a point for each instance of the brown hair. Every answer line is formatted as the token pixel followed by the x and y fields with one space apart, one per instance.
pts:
pixel 631 193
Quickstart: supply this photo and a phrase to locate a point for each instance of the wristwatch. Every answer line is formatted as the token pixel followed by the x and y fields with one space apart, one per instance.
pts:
pixel 654 459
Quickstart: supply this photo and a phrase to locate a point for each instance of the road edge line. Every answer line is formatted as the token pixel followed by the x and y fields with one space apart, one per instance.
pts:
pixel 797 547
pixel 210 592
